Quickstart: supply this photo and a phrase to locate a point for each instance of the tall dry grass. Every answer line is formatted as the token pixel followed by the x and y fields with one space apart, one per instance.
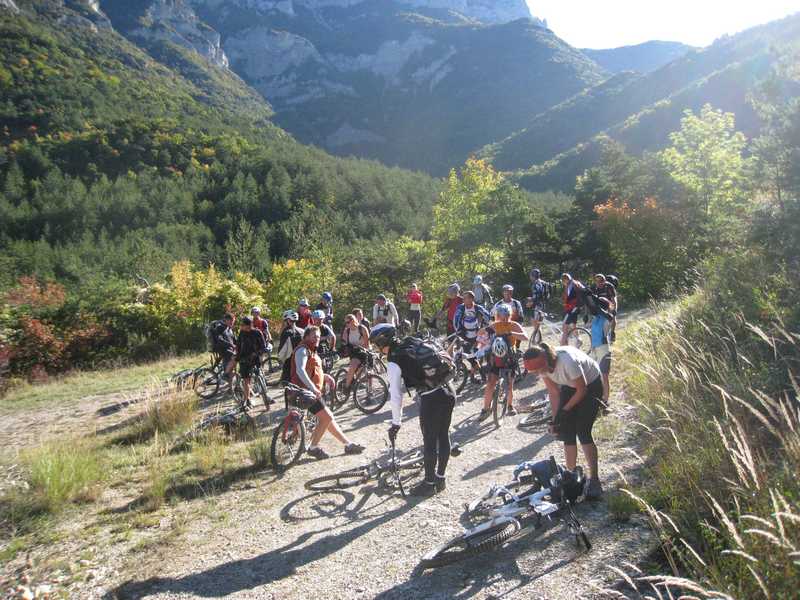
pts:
pixel 720 421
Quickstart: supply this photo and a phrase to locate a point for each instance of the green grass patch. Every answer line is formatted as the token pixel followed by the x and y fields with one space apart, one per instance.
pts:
pixel 78 385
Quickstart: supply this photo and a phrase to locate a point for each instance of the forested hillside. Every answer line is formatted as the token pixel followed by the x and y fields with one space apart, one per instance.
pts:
pixel 643 58
pixel 641 111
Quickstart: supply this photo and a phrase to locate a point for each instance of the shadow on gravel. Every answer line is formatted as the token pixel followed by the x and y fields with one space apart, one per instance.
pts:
pixel 247 574
pixel 511 458
pixel 189 490
pixel 498 568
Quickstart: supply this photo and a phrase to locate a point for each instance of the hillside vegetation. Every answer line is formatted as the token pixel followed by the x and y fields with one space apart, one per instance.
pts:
pixel 641 111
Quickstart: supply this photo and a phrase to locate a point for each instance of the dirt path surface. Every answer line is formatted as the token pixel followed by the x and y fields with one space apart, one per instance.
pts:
pixel 266 536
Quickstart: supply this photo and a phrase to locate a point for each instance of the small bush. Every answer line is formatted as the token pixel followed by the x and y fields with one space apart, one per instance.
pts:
pixel 209 451
pixel 158 482
pixel 621 506
pixel 173 412
pixel 60 473
pixel 259 451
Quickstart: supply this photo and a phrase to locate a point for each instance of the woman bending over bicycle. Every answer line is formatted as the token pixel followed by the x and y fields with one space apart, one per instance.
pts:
pixel 355 338
pixel 575 387
pixel 307 373
pixel 506 332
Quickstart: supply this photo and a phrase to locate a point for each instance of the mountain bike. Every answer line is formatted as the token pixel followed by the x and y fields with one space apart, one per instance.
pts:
pixel 289 437
pixel 391 472
pixel 329 358
pixel 369 388
pixel 464 374
pixel 580 337
pixel 509 511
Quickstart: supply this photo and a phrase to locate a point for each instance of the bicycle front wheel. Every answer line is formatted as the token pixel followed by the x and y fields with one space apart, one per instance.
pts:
pixel 288 442
pixel 371 393
pixel 580 338
pixel 499 402
pixel 538 416
pixel 260 389
pixel 340 396
pixel 470 544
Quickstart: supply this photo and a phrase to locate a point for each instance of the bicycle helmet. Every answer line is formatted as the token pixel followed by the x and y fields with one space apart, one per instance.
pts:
pixel 478 280
pixel 318 314
pixel 572 483
pixel 499 347
pixel 246 320
pixel 256 310
pixel 454 288
pixel 613 280
pixel 290 315
pixel 303 302
pixel 380 297
pixel 327 296
pixel 503 310
pixel 383 334
pixel 536 272
pixel 508 288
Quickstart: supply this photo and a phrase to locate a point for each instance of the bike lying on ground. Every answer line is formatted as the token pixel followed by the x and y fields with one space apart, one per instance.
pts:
pixel 547 499
pixel 391 472
pixel 539 413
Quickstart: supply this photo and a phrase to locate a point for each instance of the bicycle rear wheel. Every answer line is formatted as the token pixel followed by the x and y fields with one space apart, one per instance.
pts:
pixel 499 402
pixel 470 544
pixel 371 393
pixel 338 481
pixel 580 338
pixel 288 442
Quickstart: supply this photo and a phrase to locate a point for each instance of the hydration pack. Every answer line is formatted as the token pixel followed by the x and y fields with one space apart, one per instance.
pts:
pixel 214 331
pixel 424 363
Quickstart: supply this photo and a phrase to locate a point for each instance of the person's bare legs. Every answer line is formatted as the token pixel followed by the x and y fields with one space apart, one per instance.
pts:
pixel 510 392
pixel 571 456
pixel 351 371
pixel 487 393
pixel 565 333
pixel 245 390
pixel 590 453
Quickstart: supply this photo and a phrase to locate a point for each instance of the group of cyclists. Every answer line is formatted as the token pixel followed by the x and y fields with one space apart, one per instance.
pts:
pixel 491 334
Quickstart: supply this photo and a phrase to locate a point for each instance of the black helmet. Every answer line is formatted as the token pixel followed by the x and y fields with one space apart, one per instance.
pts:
pixel 383 334
pixel 613 280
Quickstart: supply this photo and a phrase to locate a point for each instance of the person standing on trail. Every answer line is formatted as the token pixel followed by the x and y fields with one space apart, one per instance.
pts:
pixel 451 304
pixel 574 384
pixel 250 345
pixel 428 369
pixel 481 291
pixel 291 336
pixel 414 298
pixel 384 311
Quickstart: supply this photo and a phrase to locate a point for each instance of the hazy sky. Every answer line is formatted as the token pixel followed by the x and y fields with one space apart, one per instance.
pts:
pixel 611 23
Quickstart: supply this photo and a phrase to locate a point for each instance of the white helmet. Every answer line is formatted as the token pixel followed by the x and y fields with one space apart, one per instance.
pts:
pixel 499 347
pixel 478 280
pixel 290 315
pixel 256 310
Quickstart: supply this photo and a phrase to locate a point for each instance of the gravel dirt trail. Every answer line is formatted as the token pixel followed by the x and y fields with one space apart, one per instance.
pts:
pixel 266 536
pixel 285 542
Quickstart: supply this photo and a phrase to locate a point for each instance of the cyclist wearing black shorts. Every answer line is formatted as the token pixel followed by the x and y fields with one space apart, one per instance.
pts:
pixel 536 307
pixel 250 345
pixel 327 339
pixel 306 368
pixel 437 400
pixel 291 336
pixel 575 387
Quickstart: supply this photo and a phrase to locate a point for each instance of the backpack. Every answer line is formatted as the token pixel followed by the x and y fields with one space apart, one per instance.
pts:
pixel 547 290
pixel 214 331
pixel 487 295
pixel 424 363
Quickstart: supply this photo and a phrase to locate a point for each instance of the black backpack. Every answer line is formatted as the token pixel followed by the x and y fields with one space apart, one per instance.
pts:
pixel 214 333
pixel 424 363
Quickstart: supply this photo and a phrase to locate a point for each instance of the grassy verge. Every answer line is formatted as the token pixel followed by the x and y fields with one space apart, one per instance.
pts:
pixel 74 386
pixel 720 428
pixel 122 487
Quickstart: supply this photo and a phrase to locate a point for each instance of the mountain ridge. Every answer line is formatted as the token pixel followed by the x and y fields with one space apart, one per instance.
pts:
pixel 644 58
